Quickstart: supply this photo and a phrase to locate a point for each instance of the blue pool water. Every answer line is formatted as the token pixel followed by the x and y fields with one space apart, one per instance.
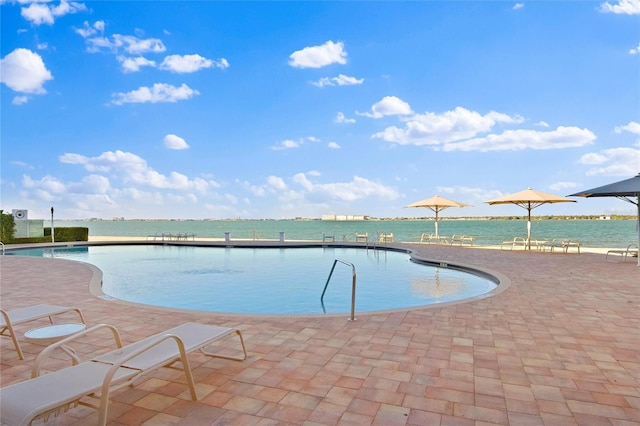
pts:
pixel 270 280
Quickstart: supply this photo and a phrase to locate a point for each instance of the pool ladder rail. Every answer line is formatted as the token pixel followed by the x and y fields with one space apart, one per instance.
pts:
pixel 353 287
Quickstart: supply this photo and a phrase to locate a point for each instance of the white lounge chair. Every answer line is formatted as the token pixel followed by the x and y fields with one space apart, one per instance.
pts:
pixel 620 255
pixel 385 237
pixel 330 238
pixel 515 243
pixel 425 238
pixel 462 240
pixel 435 239
pixel 362 237
pixel 9 319
pixel 55 392
pixel 561 243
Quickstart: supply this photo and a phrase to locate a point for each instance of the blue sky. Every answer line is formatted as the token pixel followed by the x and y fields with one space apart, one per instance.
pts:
pixel 159 109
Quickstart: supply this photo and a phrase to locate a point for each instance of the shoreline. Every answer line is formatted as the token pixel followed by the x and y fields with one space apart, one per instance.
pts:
pixel 132 239
pixel 372 218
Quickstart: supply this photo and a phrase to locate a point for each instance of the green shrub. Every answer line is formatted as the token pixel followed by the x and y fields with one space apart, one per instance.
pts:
pixel 31 240
pixel 7 227
pixel 65 234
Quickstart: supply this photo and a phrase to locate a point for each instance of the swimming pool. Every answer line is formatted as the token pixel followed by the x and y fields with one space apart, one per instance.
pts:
pixel 274 281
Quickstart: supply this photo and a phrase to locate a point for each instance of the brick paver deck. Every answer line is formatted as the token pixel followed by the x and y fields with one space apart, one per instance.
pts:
pixel 560 346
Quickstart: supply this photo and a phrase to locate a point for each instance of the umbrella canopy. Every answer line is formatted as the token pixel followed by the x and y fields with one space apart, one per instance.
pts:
pixel 529 199
pixel 437 204
pixel 624 190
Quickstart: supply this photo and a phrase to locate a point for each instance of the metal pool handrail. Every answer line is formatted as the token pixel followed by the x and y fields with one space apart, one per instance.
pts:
pixel 353 286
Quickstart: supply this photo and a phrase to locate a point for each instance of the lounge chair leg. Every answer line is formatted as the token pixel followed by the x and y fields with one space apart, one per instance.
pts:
pixel 232 358
pixel 16 344
pixel 9 327
pixel 188 374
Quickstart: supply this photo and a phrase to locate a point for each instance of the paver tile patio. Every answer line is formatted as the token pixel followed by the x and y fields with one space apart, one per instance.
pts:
pixel 559 346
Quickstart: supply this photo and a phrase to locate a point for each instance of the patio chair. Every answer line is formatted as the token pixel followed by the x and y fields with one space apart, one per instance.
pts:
pixel 425 238
pixel 57 391
pixel 620 255
pixel 385 237
pixel 11 318
pixel 330 238
pixel 362 237
pixel 515 243
pixel 560 243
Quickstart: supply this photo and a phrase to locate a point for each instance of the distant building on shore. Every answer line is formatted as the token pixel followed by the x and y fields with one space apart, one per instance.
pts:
pixel 341 217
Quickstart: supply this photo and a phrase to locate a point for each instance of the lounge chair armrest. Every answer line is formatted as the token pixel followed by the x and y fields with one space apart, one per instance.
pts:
pixel 153 342
pixel 46 352
pixel 5 316
pixel 121 363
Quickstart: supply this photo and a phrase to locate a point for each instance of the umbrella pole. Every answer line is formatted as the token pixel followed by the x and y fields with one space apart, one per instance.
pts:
pixel 638 227
pixel 529 228
pixel 436 224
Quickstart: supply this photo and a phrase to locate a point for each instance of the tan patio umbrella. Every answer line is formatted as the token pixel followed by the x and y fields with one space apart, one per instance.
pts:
pixel 529 199
pixel 437 204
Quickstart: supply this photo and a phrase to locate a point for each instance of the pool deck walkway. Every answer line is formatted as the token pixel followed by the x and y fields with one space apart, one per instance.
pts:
pixel 559 346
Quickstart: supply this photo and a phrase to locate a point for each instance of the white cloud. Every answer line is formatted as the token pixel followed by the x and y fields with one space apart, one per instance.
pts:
pixel 97 194
pixel 158 93
pixel 39 13
pixel 190 63
pixel 24 71
pixel 91 184
pixel 592 158
pixel 613 162
pixel 517 140
pixel 48 183
pixel 172 141
pixel 635 50
pixel 436 129
pixel 340 80
pixel 561 186
pixel 287 144
pixel 130 44
pixel 359 188
pixel 303 193
pixel 20 100
pixel 389 105
pixel 290 143
pixel 133 170
pixel 624 7
pixel 542 124
pixel 518 6
pixel 89 30
pixel 341 118
pixel 333 145
pixel 633 128
pixel 319 56
pixel 136 45
pixel 134 64
pixel 179 64
pixel 276 183
pixel 301 180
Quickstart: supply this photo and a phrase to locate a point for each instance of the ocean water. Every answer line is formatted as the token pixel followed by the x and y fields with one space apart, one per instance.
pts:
pixel 591 233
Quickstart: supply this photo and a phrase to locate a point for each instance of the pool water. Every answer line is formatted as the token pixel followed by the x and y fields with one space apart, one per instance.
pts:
pixel 275 281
